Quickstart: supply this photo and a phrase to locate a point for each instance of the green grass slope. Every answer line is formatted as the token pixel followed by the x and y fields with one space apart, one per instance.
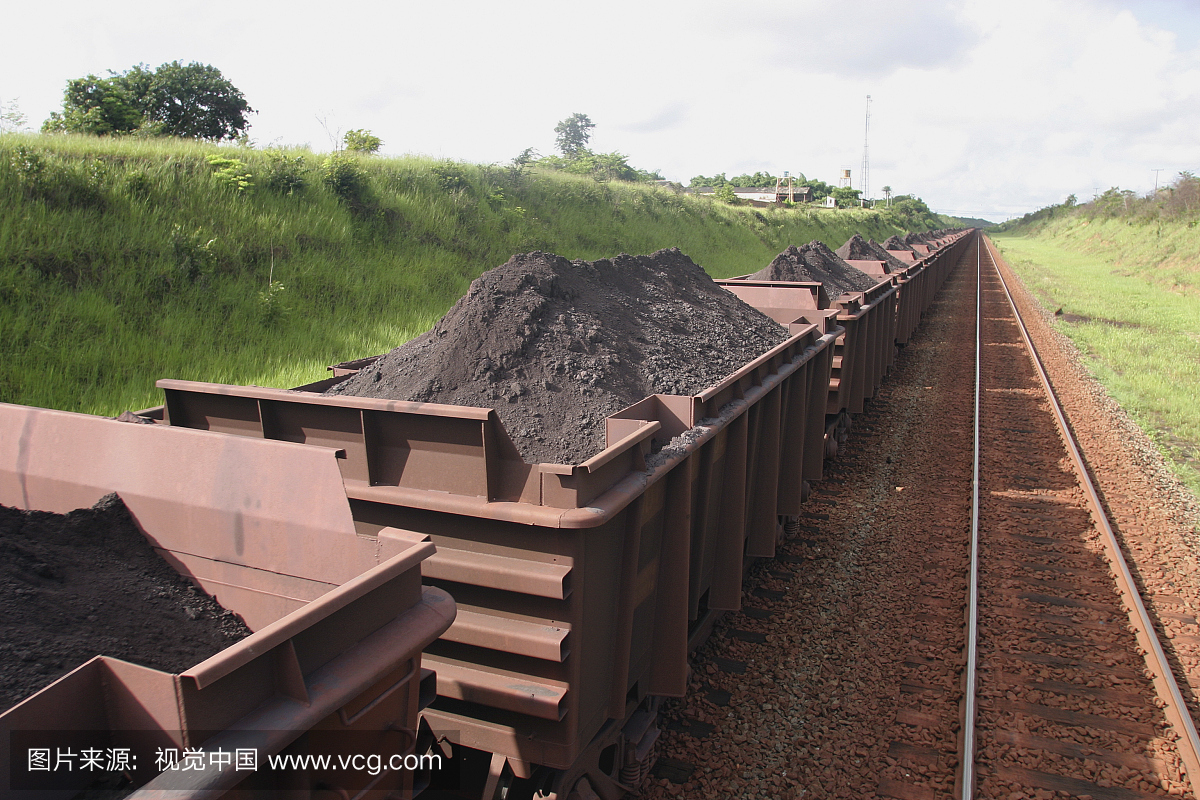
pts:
pixel 1130 297
pixel 127 260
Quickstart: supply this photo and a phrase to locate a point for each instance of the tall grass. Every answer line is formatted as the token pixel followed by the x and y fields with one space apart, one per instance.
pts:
pixel 127 260
pixel 1135 319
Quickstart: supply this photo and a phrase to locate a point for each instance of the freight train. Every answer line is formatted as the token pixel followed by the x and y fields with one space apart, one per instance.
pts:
pixel 578 589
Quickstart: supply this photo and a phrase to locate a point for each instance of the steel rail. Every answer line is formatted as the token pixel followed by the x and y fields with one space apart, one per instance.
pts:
pixel 965 781
pixel 1159 667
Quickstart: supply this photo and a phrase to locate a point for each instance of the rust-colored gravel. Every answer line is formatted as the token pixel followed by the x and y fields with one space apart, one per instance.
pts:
pixel 1154 516
pixel 1065 705
pixel 849 644
pixel 823 701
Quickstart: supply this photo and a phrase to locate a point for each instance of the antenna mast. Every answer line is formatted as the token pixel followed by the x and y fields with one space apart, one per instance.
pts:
pixel 866 162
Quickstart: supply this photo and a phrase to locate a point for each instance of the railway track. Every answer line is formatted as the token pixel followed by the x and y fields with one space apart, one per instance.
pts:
pixel 1072 691
pixel 1062 688
pixel 851 653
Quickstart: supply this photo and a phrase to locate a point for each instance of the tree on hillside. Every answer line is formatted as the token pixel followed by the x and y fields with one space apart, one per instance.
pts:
pixel 11 118
pixel 572 135
pixel 909 208
pixel 757 180
pixel 846 197
pixel 362 141
pixel 716 181
pixel 818 190
pixel 193 101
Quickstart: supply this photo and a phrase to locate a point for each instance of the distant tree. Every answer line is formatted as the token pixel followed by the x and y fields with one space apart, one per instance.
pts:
pixel 846 197
pixel 572 135
pixel 98 106
pixel 819 190
pixel 1185 193
pixel 726 194
pixel 758 179
pixel 887 195
pixel 525 158
pixel 715 181
pixel 362 141
pixel 910 208
pixel 193 101
pixel 11 118
pixel 601 166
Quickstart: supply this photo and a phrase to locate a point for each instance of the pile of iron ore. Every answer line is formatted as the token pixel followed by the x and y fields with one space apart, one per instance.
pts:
pixel 816 262
pixel 88 583
pixel 554 346
pixel 856 248
pixel 895 242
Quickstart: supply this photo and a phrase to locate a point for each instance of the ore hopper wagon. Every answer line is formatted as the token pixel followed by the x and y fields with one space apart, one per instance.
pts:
pixel 580 587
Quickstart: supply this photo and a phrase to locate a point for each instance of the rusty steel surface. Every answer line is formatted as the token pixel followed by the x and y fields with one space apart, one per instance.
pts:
pixel 794 694
pixel 580 585
pixel 265 527
pixel 872 322
pixel 850 651
pixel 459 460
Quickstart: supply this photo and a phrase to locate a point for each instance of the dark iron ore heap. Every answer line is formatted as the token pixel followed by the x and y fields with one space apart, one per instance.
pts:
pixel 856 248
pixel 897 243
pixel 554 346
pixel 88 583
pixel 816 262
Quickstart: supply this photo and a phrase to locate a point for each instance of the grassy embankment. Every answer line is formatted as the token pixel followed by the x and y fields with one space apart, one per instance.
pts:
pixel 1129 290
pixel 123 260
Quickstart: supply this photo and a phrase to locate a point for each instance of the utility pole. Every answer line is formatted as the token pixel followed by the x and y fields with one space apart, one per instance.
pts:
pixel 1156 171
pixel 866 162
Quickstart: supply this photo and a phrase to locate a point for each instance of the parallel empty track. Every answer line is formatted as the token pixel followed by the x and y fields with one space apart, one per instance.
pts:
pixel 1073 696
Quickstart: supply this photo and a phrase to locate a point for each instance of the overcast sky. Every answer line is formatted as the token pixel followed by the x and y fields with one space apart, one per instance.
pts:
pixel 982 108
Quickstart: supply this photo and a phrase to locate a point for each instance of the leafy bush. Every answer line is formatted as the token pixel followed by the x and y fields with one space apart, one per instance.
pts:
pixel 194 255
pixel 345 177
pixel 362 141
pixel 138 185
pixel 271 303
pixel 194 101
pixel 284 173
pixel 59 183
pixel 451 176
pixel 601 166
pixel 725 194
pixel 231 172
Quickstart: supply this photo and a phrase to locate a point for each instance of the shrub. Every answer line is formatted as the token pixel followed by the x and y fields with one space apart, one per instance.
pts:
pixel 284 174
pixel 725 194
pixel 345 177
pixel 450 176
pixel 137 185
pixel 57 183
pixel 362 141
pixel 194 256
pixel 270 303
pixel 231 172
